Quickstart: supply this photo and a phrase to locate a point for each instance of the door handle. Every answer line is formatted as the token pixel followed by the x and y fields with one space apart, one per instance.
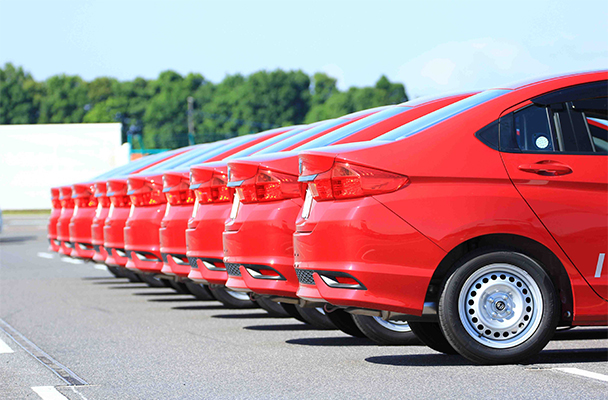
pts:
pixel 546 168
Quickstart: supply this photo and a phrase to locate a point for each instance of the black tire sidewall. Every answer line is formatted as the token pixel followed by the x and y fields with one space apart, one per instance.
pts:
pixel 382 335
pixel 461 340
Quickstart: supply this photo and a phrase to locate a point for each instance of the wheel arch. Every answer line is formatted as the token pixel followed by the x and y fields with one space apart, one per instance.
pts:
pixel 531 248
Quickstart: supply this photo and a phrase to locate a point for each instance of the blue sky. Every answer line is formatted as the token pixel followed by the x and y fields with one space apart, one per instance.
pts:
pixel 430 46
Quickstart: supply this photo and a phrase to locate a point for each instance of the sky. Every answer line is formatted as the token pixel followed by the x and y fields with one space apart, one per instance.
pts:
pixel 431 47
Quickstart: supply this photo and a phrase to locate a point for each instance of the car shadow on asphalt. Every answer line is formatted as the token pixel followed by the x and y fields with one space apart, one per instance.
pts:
pixel 170 292
pixel 242 316
pixel 17 239
pixel 131 286
pixel 562 356
pixel 175 300
pixel 282 327
pixel 332 341
pixel 206 307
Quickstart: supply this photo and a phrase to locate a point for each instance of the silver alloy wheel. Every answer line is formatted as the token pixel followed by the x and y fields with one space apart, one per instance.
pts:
pixel 395 326
pixel 500 306
pixel 243 296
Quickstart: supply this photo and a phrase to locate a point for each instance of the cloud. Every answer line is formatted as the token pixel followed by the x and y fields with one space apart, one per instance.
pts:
pixel 335 72
pixel 468 65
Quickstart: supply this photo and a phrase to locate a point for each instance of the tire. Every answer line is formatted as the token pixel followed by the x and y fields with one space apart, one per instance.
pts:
pixel 272 308
pixel 344 321
pixel 116 271
pixel 316 317
pixel 200 291
pixel 292 310
pixel 431 335
pixel 230 298
pixel 385 332
pixel 499 307
pixel 152 281
pixel 179 287
pixel 130 275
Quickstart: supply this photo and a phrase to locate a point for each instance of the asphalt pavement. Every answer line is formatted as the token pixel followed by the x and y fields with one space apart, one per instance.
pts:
pixel 71 329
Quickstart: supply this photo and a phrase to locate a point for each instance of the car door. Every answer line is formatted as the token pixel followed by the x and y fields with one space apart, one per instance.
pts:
pixel 555 152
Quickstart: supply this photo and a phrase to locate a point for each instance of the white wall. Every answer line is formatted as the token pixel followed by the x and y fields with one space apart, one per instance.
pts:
pixel 34 158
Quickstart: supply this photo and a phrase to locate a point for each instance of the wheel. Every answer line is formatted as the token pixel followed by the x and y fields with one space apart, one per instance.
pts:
pixel 499 307
pixel 130 275
pixel 116 271
pixel 200 291
pixel 272 308
pixel 316 317
pixel 292 310
pixel 431 335
pixel 230 298
pixel 179 287
pixel 152 281
pixel 385 332
pixel 344 321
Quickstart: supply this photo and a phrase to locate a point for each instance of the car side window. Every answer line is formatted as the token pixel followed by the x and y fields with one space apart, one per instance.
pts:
pixel 593 113
pixel 533 130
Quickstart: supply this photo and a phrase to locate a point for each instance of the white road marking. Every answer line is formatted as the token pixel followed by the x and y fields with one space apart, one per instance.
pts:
pixel 48 393
pixel 4 348
pixel 582 372
pixel 101 267
pixel 71 260
pixel 600 264
pixel 44 255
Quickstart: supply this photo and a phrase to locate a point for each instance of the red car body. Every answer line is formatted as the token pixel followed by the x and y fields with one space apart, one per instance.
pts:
pixel 63 222
pixel 258 242
pixel 204 233
pixel 54 243
pixel 149 205
pixel 383 232
pixel 85 205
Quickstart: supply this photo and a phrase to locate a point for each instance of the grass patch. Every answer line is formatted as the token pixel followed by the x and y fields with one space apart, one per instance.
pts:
pixel 26 212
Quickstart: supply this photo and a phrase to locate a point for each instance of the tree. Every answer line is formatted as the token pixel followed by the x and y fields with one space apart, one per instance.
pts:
pixel 19 96
pixel 65 100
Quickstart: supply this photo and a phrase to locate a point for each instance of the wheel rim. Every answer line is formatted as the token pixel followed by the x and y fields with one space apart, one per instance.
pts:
pixel 238 295
pixel 395 326
pixel 500 306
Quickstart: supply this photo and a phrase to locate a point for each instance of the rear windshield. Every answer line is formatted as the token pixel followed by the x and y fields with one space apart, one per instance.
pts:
pixel 280 146
pixel 189 156
pixel 440 115
pixel 353 128
pixel 134 165
pixel 276 139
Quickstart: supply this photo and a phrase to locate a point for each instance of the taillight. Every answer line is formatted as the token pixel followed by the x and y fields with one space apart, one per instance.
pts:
pixel 56 203
pixel 345 180
pixel 120 201
pixel 178 194
pixel 86 202
pixel 67 203
pixel 104 201
pixel 214 190
pixel 269 185
pixel 148 194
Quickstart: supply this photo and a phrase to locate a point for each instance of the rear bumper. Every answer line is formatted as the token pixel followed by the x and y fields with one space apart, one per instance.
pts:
pixel 80 232
pixel 365 241
pixel 172 238
pixel 262 237
pixel 204 243
pixel 142 241
pixel 113 236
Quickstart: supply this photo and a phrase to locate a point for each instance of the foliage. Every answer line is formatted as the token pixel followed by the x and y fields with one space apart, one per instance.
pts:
pixel 157 109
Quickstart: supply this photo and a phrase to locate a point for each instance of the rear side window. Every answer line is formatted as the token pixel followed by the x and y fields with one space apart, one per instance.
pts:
pixel 533 131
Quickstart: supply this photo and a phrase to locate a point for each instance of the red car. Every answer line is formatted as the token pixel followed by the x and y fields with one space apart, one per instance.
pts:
pixel 483 224
pixel 63 221
pixel 258 239
pixel 149 204
pixel 54 243
pixel 203 236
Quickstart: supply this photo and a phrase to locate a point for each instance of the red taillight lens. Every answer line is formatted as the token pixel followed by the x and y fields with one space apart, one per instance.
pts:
pixel 86 202
pixel 214 190
pixel 148 195
pixel 269 185
pixel 56 203
pixel 120 201
pixel 346 180
pixel 67 203
pixel 179 193
pixel 104 201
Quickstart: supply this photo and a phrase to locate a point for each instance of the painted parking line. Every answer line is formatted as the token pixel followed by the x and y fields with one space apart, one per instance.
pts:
pixel 48 393
pixel 582 372
pixel 71 260
pixel 45 255
pixel 4 348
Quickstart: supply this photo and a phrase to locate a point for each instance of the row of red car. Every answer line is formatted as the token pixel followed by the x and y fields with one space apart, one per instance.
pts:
pixel 476 223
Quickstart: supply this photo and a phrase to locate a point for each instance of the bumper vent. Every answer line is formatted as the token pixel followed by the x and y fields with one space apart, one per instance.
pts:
pixel 233 269
pixel 165 257
pixel 97 248
pixel 305 276
pixel 192 261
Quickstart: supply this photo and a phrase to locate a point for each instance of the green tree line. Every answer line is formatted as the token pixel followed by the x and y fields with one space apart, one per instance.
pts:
pixel 157 108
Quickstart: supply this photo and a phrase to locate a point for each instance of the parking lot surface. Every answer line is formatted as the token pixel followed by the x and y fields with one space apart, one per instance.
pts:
pixel 71 329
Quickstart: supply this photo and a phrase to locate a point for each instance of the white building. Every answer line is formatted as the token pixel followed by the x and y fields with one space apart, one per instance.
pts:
pixel 34 158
